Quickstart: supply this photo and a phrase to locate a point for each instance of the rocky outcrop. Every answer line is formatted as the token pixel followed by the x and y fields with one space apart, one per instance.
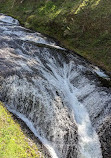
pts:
pixel 55 93
pixel 104 132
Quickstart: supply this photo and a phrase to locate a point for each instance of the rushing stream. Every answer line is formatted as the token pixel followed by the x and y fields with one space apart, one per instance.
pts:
pixel 54 92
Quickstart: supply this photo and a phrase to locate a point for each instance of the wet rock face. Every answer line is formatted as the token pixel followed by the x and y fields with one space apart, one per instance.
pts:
pixel 99 109
pixel 25 89
pixel 105 137
pixel 50 118
pixel 57 91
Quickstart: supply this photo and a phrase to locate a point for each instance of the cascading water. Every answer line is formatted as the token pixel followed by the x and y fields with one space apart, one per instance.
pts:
pixel 51 92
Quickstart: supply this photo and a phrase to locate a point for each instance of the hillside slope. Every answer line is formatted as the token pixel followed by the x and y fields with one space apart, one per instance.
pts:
pixel 80 25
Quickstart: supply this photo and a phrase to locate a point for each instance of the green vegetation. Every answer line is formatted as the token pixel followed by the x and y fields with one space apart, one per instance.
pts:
pixel 80 25
pixel 13 143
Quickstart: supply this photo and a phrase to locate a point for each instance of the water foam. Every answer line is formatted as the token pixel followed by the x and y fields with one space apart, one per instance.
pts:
pixel 32 128
pixel 88 139
pixel 48 79
pixel 8 19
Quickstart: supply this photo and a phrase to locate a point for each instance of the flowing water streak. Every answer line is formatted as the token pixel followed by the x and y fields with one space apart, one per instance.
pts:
pixel 8 19
pixel 59 79
pixel 32 128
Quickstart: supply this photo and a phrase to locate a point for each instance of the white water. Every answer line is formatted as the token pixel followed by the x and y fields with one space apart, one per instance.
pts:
pixel 8 19
pixel 100 73
pixel 32 128
pixel 24 34
pixel 54 78
pixel 61 79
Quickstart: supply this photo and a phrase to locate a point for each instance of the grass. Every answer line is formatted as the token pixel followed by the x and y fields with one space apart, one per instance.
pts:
pixel 80 25
pixel 13 143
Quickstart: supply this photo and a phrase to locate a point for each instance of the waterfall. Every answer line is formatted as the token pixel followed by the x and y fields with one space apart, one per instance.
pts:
pixel 61 80
pixel 31 127
pixel 43 86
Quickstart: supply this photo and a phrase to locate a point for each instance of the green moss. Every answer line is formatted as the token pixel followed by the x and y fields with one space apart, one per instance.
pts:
pixel 13 143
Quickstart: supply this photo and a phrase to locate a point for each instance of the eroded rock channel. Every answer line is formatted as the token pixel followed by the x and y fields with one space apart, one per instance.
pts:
pixel 56 93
